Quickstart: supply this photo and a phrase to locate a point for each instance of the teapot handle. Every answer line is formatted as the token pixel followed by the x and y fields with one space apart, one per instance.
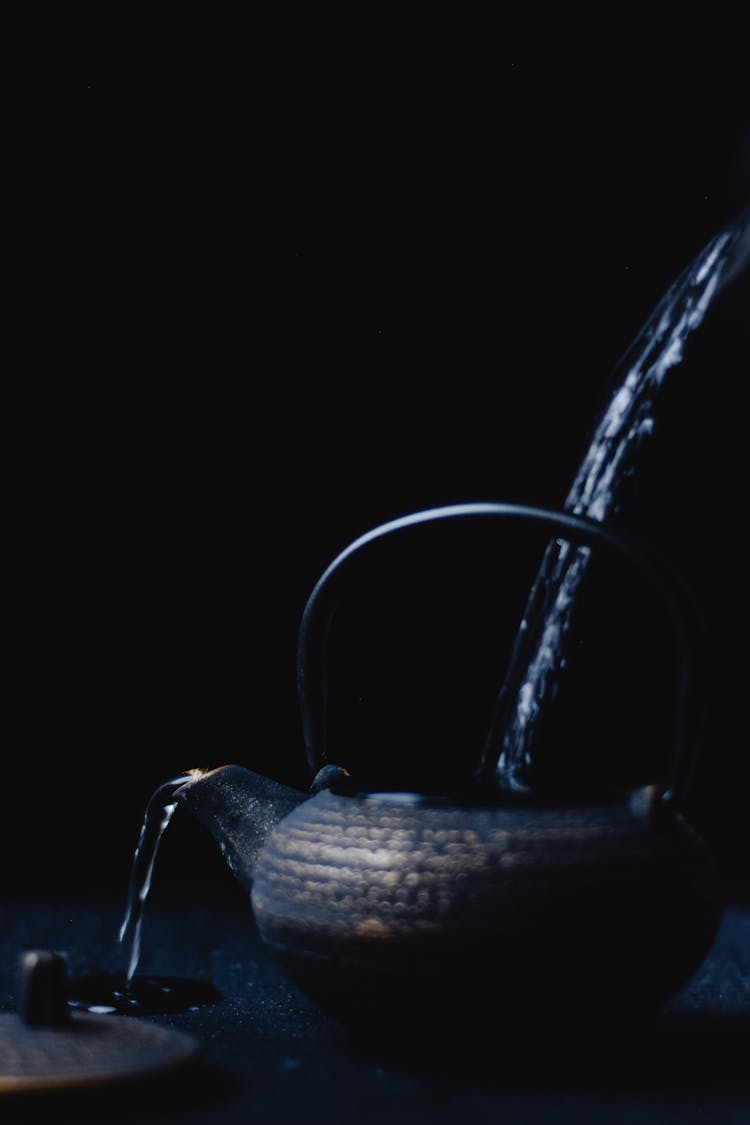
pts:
pixel 318 613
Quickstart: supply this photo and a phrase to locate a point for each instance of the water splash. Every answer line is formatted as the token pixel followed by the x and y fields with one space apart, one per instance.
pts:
pixel 628 420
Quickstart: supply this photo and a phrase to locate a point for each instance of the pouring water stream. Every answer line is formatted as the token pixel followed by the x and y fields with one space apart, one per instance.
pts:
pixel 159 812
pixel 628 420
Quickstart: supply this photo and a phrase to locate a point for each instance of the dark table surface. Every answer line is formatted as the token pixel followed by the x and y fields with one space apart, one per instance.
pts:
pixel 266 1054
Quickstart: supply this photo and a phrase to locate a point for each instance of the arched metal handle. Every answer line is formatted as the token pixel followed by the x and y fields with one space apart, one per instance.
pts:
pixel 343 571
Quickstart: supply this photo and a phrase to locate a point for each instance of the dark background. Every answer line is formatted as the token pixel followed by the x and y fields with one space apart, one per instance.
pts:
pixel 262 302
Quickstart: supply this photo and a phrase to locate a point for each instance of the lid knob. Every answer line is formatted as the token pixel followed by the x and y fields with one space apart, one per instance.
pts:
pixel 42 1000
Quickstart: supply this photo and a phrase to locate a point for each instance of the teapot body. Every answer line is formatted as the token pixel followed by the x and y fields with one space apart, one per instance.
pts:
pixel 408 911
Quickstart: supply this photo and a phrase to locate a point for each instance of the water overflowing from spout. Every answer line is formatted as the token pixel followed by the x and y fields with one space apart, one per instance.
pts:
pixel 627 421
pixel 126 993
pixel 159 812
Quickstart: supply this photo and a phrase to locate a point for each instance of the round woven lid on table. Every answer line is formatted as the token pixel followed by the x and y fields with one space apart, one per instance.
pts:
pixel 44 1047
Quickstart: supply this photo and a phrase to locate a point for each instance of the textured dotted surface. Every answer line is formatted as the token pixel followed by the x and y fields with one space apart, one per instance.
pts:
pixel 88 1049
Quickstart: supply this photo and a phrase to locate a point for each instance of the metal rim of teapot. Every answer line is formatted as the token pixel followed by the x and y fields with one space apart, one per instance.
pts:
pixel 341 573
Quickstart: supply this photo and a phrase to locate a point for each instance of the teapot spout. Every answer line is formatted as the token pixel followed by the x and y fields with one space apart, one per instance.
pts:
pixel 240 808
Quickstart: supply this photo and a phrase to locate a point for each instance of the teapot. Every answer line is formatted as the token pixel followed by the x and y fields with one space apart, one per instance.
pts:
pixel 406 910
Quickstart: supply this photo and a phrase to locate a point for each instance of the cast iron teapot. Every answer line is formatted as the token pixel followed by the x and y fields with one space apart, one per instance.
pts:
pixel 411 910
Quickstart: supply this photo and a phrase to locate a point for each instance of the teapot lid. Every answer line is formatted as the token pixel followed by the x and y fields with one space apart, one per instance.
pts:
pixel 46 1048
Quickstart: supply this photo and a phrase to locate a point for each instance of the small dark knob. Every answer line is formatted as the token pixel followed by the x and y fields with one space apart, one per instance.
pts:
pixel 42 1000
